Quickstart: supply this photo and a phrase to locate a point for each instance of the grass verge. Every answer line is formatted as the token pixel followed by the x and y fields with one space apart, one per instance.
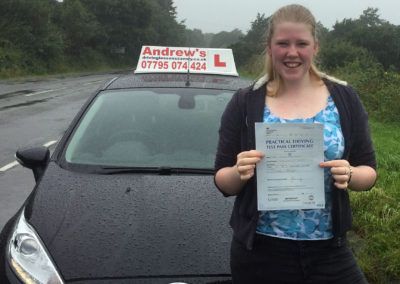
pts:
pixel 377 212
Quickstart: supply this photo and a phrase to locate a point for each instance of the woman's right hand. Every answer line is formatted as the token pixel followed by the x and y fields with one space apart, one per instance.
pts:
pixel 246 163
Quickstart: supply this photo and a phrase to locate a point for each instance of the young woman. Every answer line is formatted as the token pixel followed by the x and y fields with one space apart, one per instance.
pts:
pixel 294 246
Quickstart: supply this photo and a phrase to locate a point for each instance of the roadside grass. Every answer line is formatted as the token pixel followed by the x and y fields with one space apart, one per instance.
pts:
pixel 376 224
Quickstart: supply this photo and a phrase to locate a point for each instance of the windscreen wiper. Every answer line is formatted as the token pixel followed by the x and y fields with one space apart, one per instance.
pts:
pixel 154 170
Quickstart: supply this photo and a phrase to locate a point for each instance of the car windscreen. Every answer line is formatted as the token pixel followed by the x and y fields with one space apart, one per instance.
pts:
pixel 149 127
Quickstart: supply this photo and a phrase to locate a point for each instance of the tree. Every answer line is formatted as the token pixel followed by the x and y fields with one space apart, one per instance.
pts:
pixel 25 25
pixel 225 39
pixel 80 28
pixel 253 43
pixel 195 38
pixel 167 31
pixel 39 35
pixel 129 24
pixel 369 31
pixel 370 18
pixel 338 53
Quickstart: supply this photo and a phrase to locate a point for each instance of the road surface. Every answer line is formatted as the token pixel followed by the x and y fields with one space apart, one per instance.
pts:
pixel 33 113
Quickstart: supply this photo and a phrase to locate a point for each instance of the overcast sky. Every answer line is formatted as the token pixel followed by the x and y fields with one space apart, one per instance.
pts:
pixel 225 15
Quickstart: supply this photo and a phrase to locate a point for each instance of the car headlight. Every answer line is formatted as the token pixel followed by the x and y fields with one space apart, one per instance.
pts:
pixel 28 256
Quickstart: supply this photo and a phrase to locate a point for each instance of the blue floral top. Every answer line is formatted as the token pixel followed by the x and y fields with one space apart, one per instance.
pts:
pixel 311 224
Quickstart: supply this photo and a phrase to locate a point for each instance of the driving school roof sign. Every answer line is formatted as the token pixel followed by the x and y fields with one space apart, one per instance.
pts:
pixel 160 59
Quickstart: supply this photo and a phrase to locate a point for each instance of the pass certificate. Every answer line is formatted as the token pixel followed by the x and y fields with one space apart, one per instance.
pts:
pixel 289 176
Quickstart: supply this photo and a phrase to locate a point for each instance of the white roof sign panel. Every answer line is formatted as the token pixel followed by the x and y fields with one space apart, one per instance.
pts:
pixel 162 59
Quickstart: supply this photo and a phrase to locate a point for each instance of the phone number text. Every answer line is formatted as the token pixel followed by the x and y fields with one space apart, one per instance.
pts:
pixel 173 65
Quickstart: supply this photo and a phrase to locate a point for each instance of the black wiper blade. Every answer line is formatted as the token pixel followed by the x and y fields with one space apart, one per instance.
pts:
pixel 197 171
pixel 110 170
pixel 157 170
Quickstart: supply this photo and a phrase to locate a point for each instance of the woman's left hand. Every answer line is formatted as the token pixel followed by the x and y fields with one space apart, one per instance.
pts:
pixel 341 172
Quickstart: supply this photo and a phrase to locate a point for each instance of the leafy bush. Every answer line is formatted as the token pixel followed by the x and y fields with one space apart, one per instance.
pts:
pixel 9 59
pixel 337 53
pixel 378 89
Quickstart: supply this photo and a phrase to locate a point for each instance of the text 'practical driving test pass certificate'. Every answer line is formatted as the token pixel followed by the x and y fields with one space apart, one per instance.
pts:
pixel 289 176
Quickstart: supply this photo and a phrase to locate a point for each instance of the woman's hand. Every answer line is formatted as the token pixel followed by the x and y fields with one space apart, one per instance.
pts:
pixel 230 180
pixel 341 172
pixel 246 163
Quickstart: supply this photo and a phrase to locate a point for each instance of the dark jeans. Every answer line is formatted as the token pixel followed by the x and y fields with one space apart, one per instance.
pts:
pixel 275 260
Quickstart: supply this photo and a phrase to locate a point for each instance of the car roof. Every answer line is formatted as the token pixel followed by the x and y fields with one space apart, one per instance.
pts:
pixel 172 80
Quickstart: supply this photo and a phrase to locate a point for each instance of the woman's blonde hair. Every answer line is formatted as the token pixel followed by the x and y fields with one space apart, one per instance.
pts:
pixel 291 13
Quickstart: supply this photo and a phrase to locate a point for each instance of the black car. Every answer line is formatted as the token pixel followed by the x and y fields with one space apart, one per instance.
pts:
pixel 128 194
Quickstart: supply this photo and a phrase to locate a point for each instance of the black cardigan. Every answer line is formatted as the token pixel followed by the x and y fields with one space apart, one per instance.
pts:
pixel 237 134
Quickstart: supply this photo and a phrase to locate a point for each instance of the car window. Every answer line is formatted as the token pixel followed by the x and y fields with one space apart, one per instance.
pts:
pixel 161 127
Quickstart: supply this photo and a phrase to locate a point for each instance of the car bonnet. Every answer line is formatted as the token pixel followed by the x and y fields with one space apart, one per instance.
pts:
pixel 131 225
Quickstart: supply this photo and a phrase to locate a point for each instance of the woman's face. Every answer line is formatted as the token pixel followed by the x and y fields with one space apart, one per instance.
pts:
pixel 292 49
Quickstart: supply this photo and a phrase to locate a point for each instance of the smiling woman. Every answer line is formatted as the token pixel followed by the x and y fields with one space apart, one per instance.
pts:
pixel 300 245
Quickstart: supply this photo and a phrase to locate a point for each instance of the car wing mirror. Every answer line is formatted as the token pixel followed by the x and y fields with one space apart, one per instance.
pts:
pixel 35 158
